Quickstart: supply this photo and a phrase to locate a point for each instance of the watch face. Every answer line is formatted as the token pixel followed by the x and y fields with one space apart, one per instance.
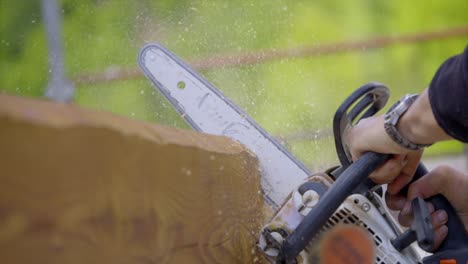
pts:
pixel 391 118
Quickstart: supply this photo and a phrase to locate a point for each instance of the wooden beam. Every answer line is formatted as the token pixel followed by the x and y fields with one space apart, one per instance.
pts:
pixel 82 186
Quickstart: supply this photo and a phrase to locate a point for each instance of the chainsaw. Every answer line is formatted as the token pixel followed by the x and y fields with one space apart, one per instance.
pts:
pixel 307 204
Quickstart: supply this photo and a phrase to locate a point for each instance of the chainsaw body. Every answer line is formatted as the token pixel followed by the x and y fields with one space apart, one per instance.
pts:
pixel 366 212
pixel 343 195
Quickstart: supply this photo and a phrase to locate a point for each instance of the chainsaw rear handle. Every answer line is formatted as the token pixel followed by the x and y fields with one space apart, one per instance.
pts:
pixel 455 246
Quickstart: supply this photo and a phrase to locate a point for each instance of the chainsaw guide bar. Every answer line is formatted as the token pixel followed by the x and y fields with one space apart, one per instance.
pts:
pixel 207 110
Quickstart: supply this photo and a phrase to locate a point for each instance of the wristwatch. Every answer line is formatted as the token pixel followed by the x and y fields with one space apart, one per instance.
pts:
pixel 392 117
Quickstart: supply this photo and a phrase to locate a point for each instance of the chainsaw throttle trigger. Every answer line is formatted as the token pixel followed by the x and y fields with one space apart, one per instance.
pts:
pixel 420 230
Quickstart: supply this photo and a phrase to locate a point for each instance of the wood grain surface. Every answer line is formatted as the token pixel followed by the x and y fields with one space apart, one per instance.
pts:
pixel 82 186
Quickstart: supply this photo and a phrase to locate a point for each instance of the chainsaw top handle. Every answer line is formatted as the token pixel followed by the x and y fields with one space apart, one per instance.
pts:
pixel 373 97
pixel 364 102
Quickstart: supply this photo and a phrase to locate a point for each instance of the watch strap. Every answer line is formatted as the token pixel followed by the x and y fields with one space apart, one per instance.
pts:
pixel 392 117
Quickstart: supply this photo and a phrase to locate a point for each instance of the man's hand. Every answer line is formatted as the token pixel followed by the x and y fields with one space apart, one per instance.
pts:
pixel 442 180
pixel 417 124
pixel 369 135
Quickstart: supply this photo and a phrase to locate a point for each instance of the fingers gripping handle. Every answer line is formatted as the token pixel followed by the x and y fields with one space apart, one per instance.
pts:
pixel 372 97
pixel 455 246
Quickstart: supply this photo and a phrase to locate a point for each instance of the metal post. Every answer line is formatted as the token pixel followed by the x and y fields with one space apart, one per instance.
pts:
pixel 59 87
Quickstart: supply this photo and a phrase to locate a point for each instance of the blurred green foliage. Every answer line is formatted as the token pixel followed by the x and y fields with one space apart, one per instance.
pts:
pixel 285 96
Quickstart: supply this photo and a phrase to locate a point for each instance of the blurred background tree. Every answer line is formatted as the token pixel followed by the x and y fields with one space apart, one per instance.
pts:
pixel 294 98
